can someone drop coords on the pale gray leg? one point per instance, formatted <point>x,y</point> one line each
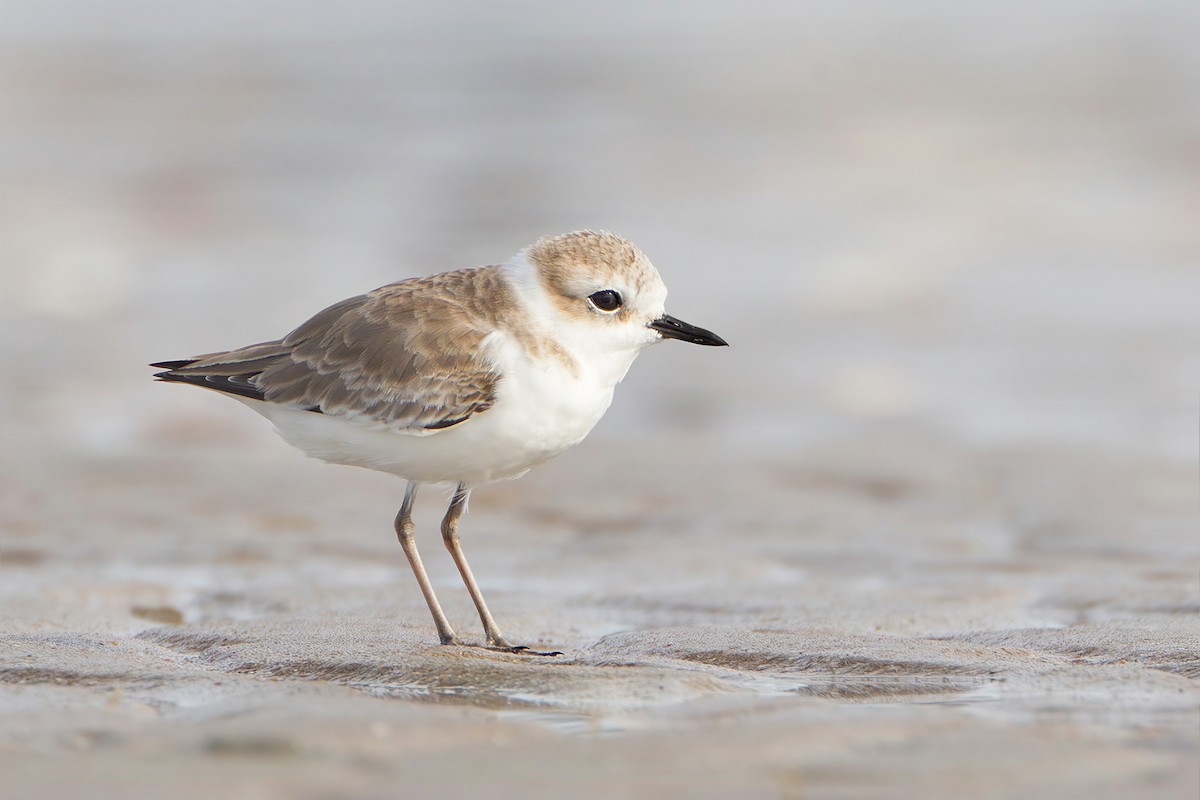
<point>406,533</point>
<point>450,537</point>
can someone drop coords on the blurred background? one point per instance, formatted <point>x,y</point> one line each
<point>973,219</point>
<point>929,523</point>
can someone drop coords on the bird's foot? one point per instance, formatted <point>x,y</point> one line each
<point>499,646</point>
<point>502,646</point>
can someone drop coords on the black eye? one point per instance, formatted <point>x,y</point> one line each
<point>605,300</point>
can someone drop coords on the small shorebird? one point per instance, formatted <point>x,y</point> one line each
<point>460,378</point>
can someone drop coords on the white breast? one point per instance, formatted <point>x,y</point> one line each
<point>543,407</point>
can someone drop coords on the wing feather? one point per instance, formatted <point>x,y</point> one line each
<point>407,355</point>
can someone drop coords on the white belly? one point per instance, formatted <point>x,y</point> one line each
<point>539,413</point>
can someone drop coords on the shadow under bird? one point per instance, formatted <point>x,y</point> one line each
<point>460,378</point>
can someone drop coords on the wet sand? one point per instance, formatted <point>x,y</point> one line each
<point>858,630</point>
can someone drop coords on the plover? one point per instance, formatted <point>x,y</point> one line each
<point>460,378</point>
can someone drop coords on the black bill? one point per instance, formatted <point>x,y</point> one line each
<point>672,328</point>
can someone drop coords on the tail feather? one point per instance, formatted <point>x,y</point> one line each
<point>172,364</point>
<point>232,372</point>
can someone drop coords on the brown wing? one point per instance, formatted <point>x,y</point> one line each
<point>407,354</point>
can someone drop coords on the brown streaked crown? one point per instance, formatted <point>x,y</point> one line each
<point>572,265</point>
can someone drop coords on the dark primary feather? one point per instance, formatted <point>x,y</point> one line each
<point>172,364</point>
<point>241,385</point>
<point>407,354</point>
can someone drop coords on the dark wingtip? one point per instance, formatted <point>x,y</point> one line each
<point>446,423</point>
<point>239,385</point>
<point>172,364</point>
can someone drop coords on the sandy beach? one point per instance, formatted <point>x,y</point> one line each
<point>928,528</point>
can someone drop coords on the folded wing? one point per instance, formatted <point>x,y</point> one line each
<point>409,355</point>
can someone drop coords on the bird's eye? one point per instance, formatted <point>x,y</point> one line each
<point>605,300</point>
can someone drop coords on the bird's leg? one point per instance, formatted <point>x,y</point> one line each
<point>450,536</point>
<point>495,639</point>
<point>406,533</point>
